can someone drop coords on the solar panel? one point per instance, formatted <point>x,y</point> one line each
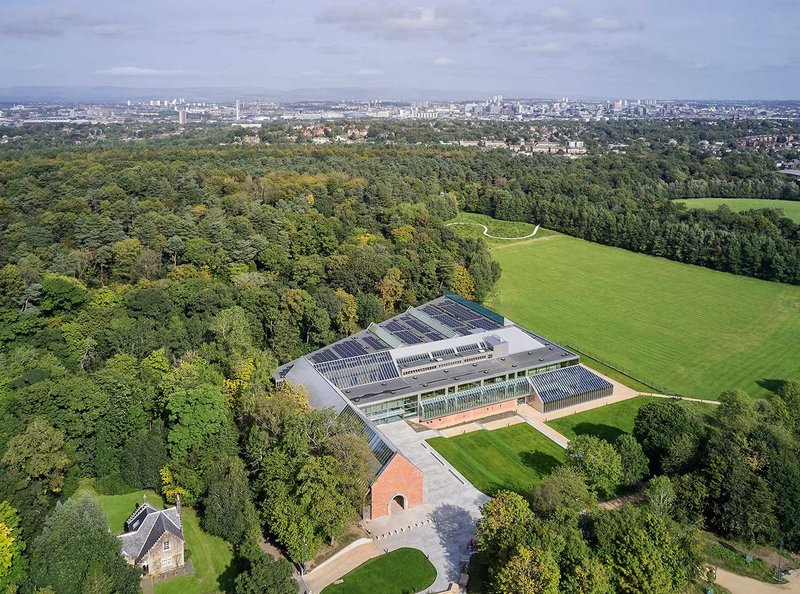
<point>442,353</point>
<point>470,348</point>
<point>410,360</point>
<point>418,326</point>
<point>323,356</point>
<point>359,370</point>
<point>375,343</point>
<point>393,327</point>
<point>408,337</point>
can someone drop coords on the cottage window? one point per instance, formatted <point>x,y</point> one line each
<point>166,562</point>
<point>166,545</point>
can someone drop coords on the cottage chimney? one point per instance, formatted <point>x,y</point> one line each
<point>178,504</point>
<point>144,499</point>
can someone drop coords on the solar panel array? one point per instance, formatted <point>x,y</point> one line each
<point>349,348</point>
<point>413,360</point>
<point>457,317</point>
<point>359,370</point>
<point>449,316</point>
<point>375,343</point>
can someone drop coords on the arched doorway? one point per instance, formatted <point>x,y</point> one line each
<point>397,504</point>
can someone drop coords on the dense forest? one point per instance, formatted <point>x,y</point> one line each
<point>147,292</point>
<point>146,300</point>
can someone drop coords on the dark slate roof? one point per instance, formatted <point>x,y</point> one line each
<point>145,526</point>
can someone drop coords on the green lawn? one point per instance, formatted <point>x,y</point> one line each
<point>680,328</point>
<point>612,420</point>
<point>210,555</point>
<point>496,227</point>
<point>403,571</point>
<point>791,208</point>
<point>513,458</point>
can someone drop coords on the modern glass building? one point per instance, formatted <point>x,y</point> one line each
<point>448,358</point>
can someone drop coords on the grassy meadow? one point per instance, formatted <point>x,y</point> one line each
<point>513,458</point>
<point>679,328</point>
<point>791,208</point>
<point>467,226</point>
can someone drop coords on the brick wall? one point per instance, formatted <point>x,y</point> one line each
<point>471,415</point>
<point>400,477</point>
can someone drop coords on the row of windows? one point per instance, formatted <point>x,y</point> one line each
<point>408,406</point>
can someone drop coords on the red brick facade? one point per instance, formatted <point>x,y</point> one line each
<point>400,477</point>
<point>471,415</point>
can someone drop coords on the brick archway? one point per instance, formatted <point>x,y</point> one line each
<point>397,504</point>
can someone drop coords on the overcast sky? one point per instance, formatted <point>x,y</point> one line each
<point>608,48</point>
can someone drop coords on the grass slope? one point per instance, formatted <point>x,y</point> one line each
<point>496,227</point>
<point>612,420</point>
<point>210,555</point>
<point>513,458</point>
<point>681,328</point>
<point>791,208</point>
<point>403,571</point>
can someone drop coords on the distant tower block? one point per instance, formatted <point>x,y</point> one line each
<point>237,110</point>
<point>182,117</point>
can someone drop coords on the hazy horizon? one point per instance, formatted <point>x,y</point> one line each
<point>734,50</point>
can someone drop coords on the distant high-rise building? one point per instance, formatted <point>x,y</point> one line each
<point>237,110</point>
<point>129,102</point>
<point>182,117</point>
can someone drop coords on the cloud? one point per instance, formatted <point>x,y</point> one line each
<point>610,25</point>
<point>135,71</point>
<point>369,72</point>
<point>442,61</point>
<point>390,21</point>
<point>52,21</point>
<point>557,19</point>
<point>546,48</point>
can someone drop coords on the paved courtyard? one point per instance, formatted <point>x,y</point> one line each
<point>444,525</point>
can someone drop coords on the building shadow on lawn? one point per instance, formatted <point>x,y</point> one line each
<point>607,432</point>
<point>542,463</point>
<point>455,527</point>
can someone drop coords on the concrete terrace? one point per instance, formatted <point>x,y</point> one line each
<point>444,525</point>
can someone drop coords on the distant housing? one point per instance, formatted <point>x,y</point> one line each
<point>442,363</point>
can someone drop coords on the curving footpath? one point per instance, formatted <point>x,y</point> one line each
<point>486,231</point>
<point>739,584</point>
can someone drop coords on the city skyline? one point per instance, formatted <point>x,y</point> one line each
<point>732,50</point>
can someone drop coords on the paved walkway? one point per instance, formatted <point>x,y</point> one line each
<point>441,527</point>
<point>739,584</point>
<point>340,564</point>
<point>536,420</point>
<point>486,231</point>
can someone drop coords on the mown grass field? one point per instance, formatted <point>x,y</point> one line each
<point>210,555</point>
<point>791,208</point>
<point>513,458</point>
<point>683,329</point>
<point>612,420</point>
<point>399,572</point>
<point>468,227</point>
